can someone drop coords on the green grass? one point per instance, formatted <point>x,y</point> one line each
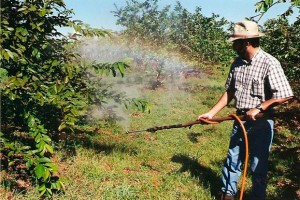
<point>169,164</point>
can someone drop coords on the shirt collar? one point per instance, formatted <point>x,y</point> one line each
<point>253,58</point>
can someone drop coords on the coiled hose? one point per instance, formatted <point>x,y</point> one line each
<point>246,149</point>
<point>246,154</point>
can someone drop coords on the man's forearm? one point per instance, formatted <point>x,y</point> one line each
<point>274,102</point>
<point>223,101</point>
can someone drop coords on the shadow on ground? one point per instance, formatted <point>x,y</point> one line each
<point>92,140</point>
<point>207,177</point>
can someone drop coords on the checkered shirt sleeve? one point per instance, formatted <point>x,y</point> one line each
<point>279,85</point>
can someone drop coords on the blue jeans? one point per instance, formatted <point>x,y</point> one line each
<point>260,135</point>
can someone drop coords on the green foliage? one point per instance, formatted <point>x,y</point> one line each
<point>34,159</point>
<point>263,6</point>
<point>144,20</point>
<point>141,104</point>
<point>86,30</point>
<point>202,38</point>
<point>39,163</point>
<point>45,85</point>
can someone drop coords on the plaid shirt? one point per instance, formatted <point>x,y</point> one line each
<point>257,81</point>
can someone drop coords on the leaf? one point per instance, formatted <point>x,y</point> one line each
<point>11,163</point>
<point>44,160</point>
<point>62,185</point>
<point>66,79</point>
<point>52,167</point>
<point>43,12</point>
<point>100,71</point>
<point>49,191</point>
<point>32,8</point>
<point>23,31</point>
<point>107,71</point>
<point>54,186</point>
<point>296,3</point>
<point>40,24</point>
<point>54,63</point>
<point>12,96</point>
<point>62,126</point>
<point>22,9</point>
<point>29,163</point>
<point>5,55</point>
<point>121,68</point>
<point>41,146</point>
<point>259,6</point>
<point>269,2</point>
<point>49,148</point>
<point>46,138</point>
<point>42,187</point>
<point>31,121</point>
<point>39,171</point>
<point>114,71</point>
<point>35,52</point>
<point>53,90</point>
<point>71,123</point>
<point>10,54</point>
<point>265,7</point>
<point>46,174</point>
<point>42,192</point>
<point>37,139</point>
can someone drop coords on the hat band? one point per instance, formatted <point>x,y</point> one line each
<point>244,35</point>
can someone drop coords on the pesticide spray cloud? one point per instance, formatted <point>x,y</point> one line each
<point>149,70</point>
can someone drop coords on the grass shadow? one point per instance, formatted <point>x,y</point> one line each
<point>100,147</point>
<point>92,140</point>
<point>285,166</point>
<point>193,137</point>
<point>207,177</point>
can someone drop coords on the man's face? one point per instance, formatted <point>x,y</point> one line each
<point>239,46</point>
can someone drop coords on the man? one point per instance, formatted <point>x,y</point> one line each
<point>256,82</point>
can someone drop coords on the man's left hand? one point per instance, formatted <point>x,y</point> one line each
<point>252,113</point>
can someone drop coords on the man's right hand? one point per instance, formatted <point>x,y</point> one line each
<point>205,116</point>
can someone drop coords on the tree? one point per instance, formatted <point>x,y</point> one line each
<point>45,87</point>
<point>264,5</point>
<point>200,37</point>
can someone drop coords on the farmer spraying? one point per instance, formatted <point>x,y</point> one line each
<point>257,83</point>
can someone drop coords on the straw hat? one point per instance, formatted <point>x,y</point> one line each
<point>244,30</point>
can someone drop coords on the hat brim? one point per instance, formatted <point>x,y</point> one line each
<point>232,38</point>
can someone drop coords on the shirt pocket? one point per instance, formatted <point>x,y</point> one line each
<point>257,89</point>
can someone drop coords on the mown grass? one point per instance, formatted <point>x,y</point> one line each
<point>168,164</point>
<point>106,163</point>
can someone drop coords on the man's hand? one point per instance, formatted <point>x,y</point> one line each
<point>205,116</point>
<point>252,113</point>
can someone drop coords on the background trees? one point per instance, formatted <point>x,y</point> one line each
<point>204,38</point>
<point>45,88</point>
